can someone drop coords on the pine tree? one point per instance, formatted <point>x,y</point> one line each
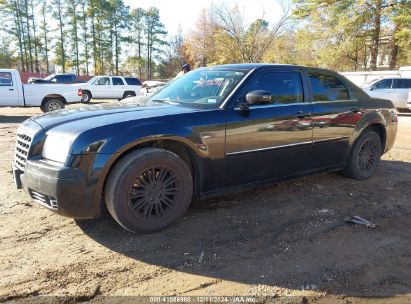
<point>60,14</point>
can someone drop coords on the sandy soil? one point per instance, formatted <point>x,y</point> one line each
<point>274,242</point>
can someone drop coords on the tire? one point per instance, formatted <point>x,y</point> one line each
<point>86,97</point>
<point>365,156</point>
<point>148,190</point>
<point>129,94</point>
<point>52,105</point>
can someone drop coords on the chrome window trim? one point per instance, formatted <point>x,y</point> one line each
<point>275,105</point>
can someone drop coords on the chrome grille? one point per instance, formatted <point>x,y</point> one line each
<point>22,150</point>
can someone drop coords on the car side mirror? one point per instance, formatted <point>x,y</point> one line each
<point>372,88</point>
<point>258,97</point>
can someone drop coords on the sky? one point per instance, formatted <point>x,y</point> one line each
<point>185,12</point>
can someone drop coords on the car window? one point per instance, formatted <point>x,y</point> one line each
<point>327,88</point>
<point>59,78</point>
<point>117,81</point>
<point>402,84</point>
<point>201,86</point>
<point>285,87</point>
<point>382,84</point>
<point>5,79</point>
<point>103,81</point>
<point>132,81</point>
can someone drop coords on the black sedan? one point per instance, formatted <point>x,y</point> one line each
<point>214,130</point>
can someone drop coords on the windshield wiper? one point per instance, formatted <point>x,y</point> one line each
<point>165,101</point>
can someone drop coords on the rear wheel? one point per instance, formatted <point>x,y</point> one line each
<point>129,94</point>
<point>52,105</point>
<point>365,156</point>
<point>148,190</point>
<point>86,97</point>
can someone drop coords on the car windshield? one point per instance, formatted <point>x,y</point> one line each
<point>49,77</point>
<point>92,80</point>
<point>202,86</point>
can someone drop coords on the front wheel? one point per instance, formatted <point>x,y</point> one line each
<point>365,156</point>
<point>148,190</point>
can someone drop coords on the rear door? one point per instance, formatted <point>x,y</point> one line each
<point>118,87</point>
<point>133,84</point>
<point>9,94</point>
<point>270,140</point>
<point>401,88</point>
<point>336,112</point>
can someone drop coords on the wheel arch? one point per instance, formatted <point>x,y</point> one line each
<point>177,146</point>
<point>129,91</point>
<point>376,126</point>
<point>88,91</point>
<point>53,96</point>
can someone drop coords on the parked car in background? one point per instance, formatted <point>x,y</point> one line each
<point>13,93</point>
<point>65,78</point>
<point>213,130</point>
<point>110,87</point>
<point>394,89</point>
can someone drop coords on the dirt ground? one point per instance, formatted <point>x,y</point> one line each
<point>286,243</point>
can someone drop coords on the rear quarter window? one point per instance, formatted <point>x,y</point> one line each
<point>402,84</point>
<point>132,81</point>
<point>327,88</point>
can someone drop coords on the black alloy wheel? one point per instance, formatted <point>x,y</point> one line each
<point>154,192</point>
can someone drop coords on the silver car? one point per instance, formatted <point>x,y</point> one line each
<point>394,89</point>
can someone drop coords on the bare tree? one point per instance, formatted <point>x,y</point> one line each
<point>247,43</point>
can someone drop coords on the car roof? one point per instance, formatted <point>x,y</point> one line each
<point>115,76</point>
<point>251,66</point>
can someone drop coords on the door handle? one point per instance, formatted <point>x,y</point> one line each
<point>301,114</point>
<point>11,89</point>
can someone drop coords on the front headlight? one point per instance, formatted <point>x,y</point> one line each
<point>56,148</point>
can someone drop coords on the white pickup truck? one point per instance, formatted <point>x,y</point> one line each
<point>110,87</point>
<point>13,93</point>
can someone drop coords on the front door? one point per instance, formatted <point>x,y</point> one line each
<point>9,95</point>
<point>402,86</point>
<point>382,89</point>
<point>102,88</point>
<point>335,115</point>
<point>270,140</point>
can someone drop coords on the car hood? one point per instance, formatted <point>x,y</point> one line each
<point>76,120</point>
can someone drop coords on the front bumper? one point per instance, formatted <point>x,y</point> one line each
<point>62,190</point>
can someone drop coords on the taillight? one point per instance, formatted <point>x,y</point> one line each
<point>80,92</point>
